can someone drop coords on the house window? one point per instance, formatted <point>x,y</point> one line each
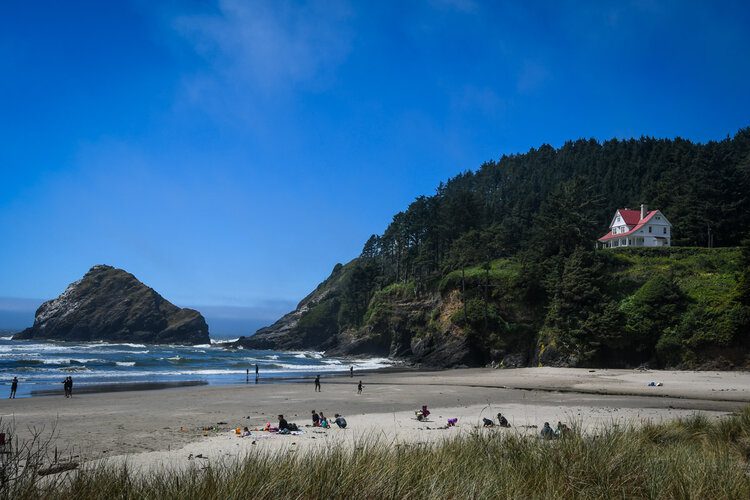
<point>665,230</point>
<point>649,229</point>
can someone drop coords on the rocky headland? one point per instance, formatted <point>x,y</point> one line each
<point>112,305</point>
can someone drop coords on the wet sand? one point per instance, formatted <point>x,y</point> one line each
<point>166,426</point>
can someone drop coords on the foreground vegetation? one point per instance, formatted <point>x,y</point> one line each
<point>694,457</point>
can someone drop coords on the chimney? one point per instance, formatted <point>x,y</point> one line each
<point>644,210</point>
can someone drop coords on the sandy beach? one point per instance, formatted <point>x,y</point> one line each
<point>166,427</point>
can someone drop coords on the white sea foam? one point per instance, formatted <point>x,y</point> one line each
<point>224,341</point>
<point>67,361</point>
<point>125,363</point>
<point>95,345</point>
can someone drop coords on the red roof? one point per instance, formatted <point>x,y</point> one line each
<point>631,217</point>
<point>627,215</point>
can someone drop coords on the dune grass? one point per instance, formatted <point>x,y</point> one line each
<point>694,457</point>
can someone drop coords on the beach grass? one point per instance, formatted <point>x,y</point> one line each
<point>694,457</point>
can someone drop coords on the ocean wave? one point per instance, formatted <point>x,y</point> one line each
<point>75,369</point>
<point>73,361</point>
<point>35,348</point>
<point>125,363</point>
<point>224,341</point>
<point>94,345</point>
<point>307,354</point>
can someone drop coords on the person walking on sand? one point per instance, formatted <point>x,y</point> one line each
<point>359,387</point>
<point>351,371</point>
<point>65,387</point>
<point>317,383</point>
<point>13,387</point>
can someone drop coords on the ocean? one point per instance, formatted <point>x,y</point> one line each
<point>42,366</point>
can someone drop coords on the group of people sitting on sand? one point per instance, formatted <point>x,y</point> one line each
<point>549,433</point>
<point>285,427</point>
<point>501,421</point>
<point>320,420</point>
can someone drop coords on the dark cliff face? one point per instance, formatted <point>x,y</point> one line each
<point>311,325</point>
<point>110,304</point>
<point>400,329</point>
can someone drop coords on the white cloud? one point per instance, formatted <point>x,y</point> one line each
<point>270,45</point>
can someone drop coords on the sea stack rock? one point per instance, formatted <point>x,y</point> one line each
<point>111,305</point>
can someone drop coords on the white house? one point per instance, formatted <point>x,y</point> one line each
<point>633,228</point>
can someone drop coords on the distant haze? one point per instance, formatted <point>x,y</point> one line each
<point>223,321</point>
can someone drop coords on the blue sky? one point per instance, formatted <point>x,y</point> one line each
<point>230,153</point>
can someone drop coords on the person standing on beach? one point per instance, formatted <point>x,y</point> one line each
<point>257,374</point>
<point>359,387</point>
<point>351,371</point>
<point>68,386</point>
<point>317,383</point>
<point>13,387</point>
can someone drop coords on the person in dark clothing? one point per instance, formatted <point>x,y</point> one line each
<point>283,424</point>
<point>317,383</point>
<point>13,387</point>
<point>359,387</point>
<point>340,421</point>
<point>351,371</point>
<point>70,387</point>
<point>66,386</point>
<point>315,419</point>
<point>547,432</point>
<point>502,421</point>
<point>257,374</point>
<point>488,423</point>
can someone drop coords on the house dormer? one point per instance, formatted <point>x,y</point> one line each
<point>637,228</point>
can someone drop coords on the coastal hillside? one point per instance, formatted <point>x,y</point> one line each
<point>499,266</point>
<point>109,304</point>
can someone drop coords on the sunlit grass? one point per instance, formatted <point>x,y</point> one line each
<point>694,457</point>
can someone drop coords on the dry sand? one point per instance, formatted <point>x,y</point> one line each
<point>165,427</point>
